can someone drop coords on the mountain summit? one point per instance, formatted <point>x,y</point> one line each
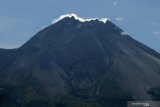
<point>75,63</point>
<point>79,18</point>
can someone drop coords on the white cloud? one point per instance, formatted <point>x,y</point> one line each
<point>78,18</point>
<point>119,19</point>
<point>115,3</point>
<point>124,33</point>
<point>43,27</point>
<point>156,33</point>
<point>153,23</point>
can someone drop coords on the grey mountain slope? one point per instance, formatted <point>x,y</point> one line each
<point>74,56</point>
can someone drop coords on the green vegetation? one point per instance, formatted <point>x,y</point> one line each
<point>70,101</point>
<point>111,95</point>
<point>155,92</point>
<point>31,95</point>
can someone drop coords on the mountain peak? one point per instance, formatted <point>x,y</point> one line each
<point>72,15</point>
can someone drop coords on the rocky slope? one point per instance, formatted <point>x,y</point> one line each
<point>79,64</point>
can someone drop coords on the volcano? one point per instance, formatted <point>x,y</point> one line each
<point>79,62</point>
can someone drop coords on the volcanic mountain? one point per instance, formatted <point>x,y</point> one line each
<point>79,63</point>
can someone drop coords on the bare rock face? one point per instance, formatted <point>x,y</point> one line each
<point>79,64</point>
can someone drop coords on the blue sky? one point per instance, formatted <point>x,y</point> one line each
<point>21,19</point>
